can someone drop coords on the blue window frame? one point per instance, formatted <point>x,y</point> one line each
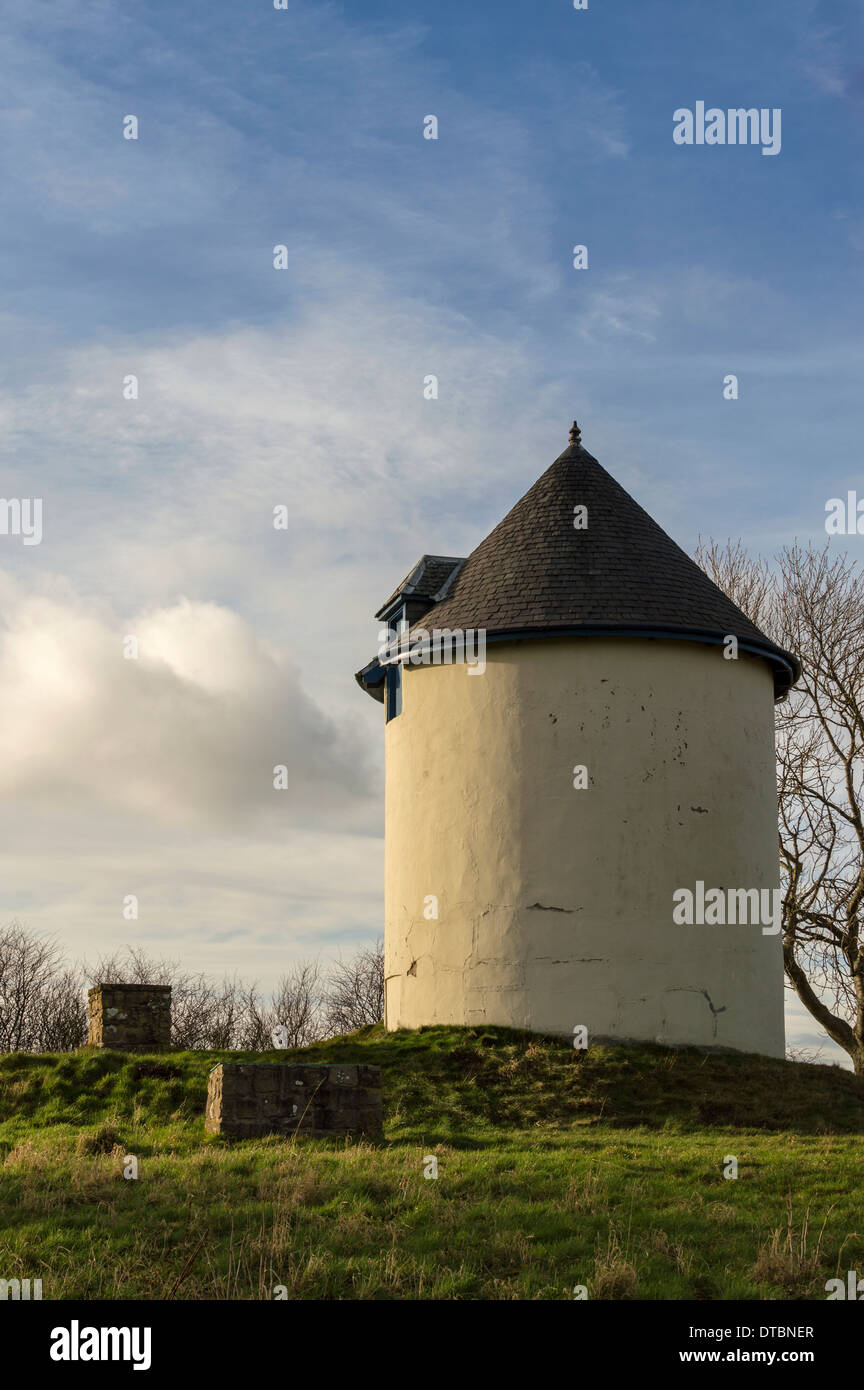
<point>393,682</point>
<point>393,692</point>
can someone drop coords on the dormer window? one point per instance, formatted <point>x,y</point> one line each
<point>425,586</point>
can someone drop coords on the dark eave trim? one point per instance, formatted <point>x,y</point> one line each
<point>786,667</point>
<point>371,679</point>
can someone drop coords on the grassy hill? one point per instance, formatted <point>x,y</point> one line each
<point>555,1168</point>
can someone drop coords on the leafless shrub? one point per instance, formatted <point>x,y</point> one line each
<point>254,1027</point>
<point>354,997</point>
<point>41,998</point>
<point>298,1007</point>
<point>203,1014</point>
<point>810,1055</point>
<point>233,1015</point>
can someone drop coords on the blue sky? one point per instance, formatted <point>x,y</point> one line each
<point>303,127</point>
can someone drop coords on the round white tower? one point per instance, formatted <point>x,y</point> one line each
<point>602,760</point>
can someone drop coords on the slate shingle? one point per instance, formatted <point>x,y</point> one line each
<point>535,571</point>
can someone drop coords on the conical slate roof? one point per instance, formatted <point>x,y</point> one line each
<point>622,575</point>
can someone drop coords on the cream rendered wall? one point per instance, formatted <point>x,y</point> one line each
<point>555,905</point>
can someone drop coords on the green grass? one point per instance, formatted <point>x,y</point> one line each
<point>556,1168</point>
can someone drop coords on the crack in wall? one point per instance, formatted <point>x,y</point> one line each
<point>692,989</point>
<point>571,960</point>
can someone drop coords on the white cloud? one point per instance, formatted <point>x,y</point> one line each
<point>188,733</point>
<point>154,776</point>
<point>616,309</point>
<point>824,60</point>
<point>174,493</point>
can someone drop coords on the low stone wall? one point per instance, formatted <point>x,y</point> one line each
<point>253,1098</point>
<point>130,1018</point>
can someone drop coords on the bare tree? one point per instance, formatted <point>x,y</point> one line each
<point>41,998</point>
<point>43,1008</point>
<point>811,1055</point>
<point>203,1014</point>
<point>63,1013</point>
<point>254,1025</point>
<point>233,1015</point>
<point>354,996</point>
<point>130,965</point>
<point>297,1005</point>
<point>813,605</point>
<point>211,1021</point>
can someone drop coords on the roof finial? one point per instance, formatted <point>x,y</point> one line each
<point>575,435</point>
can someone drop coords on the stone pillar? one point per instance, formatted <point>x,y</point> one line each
<point>130,1018</point>
<point>253,1098</point>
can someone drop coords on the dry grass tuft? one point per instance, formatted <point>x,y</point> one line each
<point>615,1275</point>
<point>788,1259</point>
